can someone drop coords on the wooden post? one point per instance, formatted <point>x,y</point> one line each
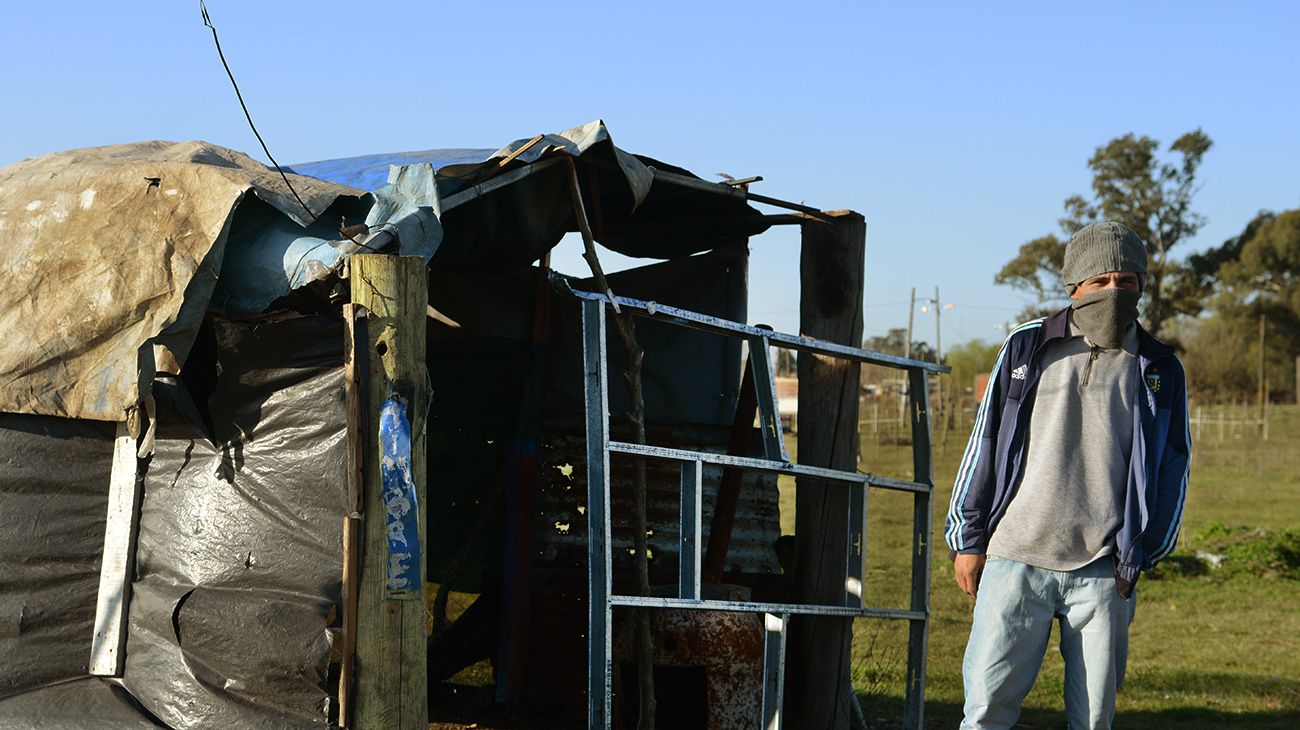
<point>819,692</point>
<point>391,690</point>
<point>1263,411</point>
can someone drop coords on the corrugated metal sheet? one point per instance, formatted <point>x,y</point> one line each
<point>561,529</point>
<point>559,600</point>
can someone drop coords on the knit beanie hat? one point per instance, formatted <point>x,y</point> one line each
<point>1101,248</point>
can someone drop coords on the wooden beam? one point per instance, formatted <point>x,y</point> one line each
<point>739,193</point>
<point>118,557</point>
<point>678,225</point>
<point>728,499</point>
<point>390,666</point>
<point>818,686</point>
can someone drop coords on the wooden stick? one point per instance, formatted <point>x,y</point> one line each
<point>520,151</point>
<point>351,573</point>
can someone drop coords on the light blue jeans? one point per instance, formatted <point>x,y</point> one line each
<point>1014,611</point>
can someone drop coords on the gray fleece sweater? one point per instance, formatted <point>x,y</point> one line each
<point>1070,499</point>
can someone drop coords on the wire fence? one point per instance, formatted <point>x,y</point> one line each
<point>887,419</point>
<point>1230,421</point>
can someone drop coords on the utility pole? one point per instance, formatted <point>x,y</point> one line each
<point>938,340</point>
<point>938,347</point>
<point>1260,381</point>
<point>912,310</point>
<point>902,392</point>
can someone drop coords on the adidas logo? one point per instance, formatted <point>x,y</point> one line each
<point>1019,373</point>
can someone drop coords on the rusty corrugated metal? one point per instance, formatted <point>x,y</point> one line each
<point>727,646</point>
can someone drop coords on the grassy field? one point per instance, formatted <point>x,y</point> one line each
<point>1212,647</point>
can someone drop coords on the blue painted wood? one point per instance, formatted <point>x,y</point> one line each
<point>401,507</point>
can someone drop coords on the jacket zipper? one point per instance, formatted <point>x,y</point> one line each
<point>1087,371</point>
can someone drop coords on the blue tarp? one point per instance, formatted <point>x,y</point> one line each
<point>370,172</point>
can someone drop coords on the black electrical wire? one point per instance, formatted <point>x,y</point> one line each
<point>207,21</point>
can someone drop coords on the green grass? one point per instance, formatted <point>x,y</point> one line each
<point>1210,647</point>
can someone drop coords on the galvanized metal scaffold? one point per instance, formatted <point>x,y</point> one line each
<point>776,460</point>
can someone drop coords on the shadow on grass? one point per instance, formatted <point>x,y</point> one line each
<point>1188,699</point>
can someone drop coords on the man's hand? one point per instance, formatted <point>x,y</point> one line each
<point>969,568</point>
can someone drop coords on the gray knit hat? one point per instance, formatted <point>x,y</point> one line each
<point>1101,248</point>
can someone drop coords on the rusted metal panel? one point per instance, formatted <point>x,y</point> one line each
<point>728,647</point>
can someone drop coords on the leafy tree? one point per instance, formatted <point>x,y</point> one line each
<point>1265,281</point>
<point>1254,274</point>
<point>1037,270</point>
<point>1213,354</point>
<point>1131,185</point>
<point>968,360</point>
<point>894,342</point>
<point>1193,286</point>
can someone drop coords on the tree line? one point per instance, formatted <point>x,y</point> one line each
<point>1208,305</point>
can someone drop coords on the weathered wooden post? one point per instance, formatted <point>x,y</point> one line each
<point>818,687</point>
<point>390,687</point>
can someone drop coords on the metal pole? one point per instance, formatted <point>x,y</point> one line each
<point>599,586</point>
<point>918,629</point>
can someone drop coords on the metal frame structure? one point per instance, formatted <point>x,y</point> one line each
<point>776,461</point>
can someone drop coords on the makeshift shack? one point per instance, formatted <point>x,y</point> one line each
<point>194,432</point>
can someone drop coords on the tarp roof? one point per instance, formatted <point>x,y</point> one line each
<point>112,255</point>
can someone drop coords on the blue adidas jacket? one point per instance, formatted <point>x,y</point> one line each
<point>1158,469</point>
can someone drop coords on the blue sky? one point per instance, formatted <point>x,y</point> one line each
<point>956,128</point>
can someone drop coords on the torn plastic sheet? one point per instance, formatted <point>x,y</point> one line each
<point>109,250</point>
<point>509,206</point>
<point>113,254</point>
<point>54,480</point>
<point>239,553</point>
<point>401,505</point>
<point>269,256</point>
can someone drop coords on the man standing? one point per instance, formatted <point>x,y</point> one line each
<point>1073,481</point>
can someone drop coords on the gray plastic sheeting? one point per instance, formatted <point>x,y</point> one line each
<point>54,475</point>
<point>85,703</point>
<point>240,548</point>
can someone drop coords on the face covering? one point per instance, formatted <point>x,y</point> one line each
<point>1104,316</point>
